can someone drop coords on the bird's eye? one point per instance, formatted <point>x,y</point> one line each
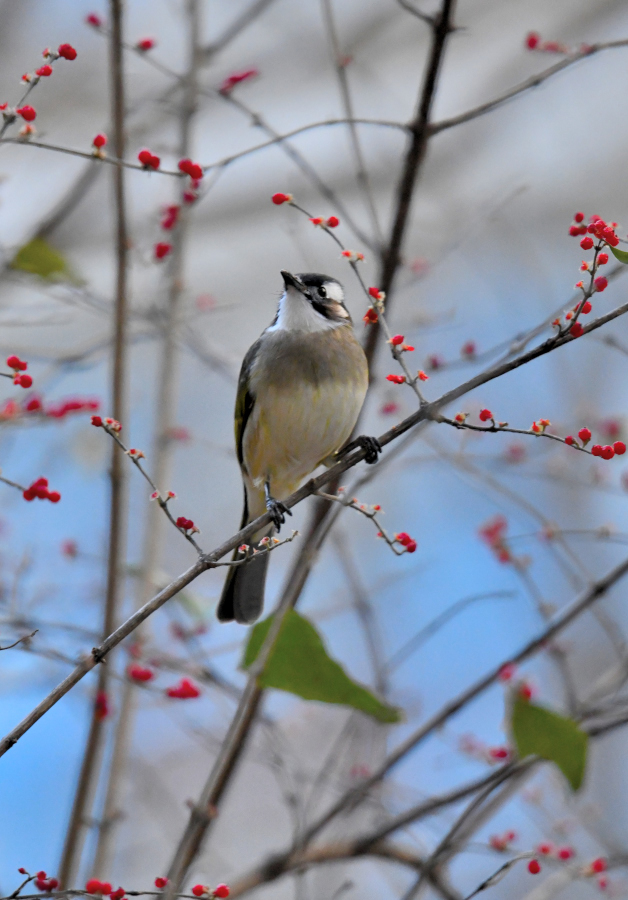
<point>322,291</point>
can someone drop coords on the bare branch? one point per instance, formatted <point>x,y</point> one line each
<point>526,85</point>
<point>90,766</point>
<point>25,637</point>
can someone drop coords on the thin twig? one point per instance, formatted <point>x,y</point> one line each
<point>25,637</point>
<point>525,85</point>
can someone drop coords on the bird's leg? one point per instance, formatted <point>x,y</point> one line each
<point>276,508</point>
<point>371,446</point>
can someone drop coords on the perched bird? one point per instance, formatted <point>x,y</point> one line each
<point>301,388</point>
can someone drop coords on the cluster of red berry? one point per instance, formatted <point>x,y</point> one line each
<point>186,524</point>
<point>331,222</point>
<point>406,541</point>
<point>136,672</point>
<point>607,451</point>
<point>19,366</point>
<point>39,489</point>
<point>185,690</point>
<point>104,889</point>
<point>493,533</point>
<point>201,890</point>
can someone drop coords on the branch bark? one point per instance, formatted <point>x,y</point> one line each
<point>90,766</point>
<point>162,451</point>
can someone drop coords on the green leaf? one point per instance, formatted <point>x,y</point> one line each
<point>541,732</point>
<point>39,258</point>
<point>300,664</point>
<point>621,255</point>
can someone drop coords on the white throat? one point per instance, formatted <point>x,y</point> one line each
<point>296,313</point>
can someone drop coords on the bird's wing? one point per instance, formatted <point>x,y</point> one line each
<point>245,400</point>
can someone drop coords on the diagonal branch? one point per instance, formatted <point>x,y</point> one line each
<point>523,86</point>
<point>425,414</point>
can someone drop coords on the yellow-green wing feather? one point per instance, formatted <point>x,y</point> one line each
<point>245,401</point>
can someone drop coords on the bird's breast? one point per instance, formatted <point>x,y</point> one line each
<point>308,392</point>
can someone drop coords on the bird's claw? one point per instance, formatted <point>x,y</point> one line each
<point>371,446</point>
<point>277,511</point>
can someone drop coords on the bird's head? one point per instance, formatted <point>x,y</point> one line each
<point>311,302</point>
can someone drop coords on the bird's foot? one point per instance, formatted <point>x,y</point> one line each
<point>371,446</point>
<point>278,511</point>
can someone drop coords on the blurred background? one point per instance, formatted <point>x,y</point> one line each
<point>487,257</point>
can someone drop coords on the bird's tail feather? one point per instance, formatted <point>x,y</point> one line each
<point>242,596</point>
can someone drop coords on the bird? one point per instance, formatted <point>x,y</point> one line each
<point>300,391</point>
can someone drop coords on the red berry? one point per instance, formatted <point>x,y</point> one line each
<point>27,113</point>
<point>579,217</point>
<point>619,447</point>
<point>506,672</point>
<point>586,308</point>
<point>576,330</point>
<point>94,20</point>
<point>532,40</point>
<point>332,222</point>
<point>277,199</point>
<point>565,853</point>
<point>396,340</point>
<point>14,362</point>
<point>545,849</point>
<point>140,673</point>
<point>607,452</point>
<point>598,865</point>
<point>601,283</point>
<point>67,51</point>
<point>534,867</point>
<point>596,449</point>
<point>93,886</point>
<point>196,173</point>
<point>101,706</point>
<point>162,249</point>
<point>198,890</point>
<point>25,381</point>
<point>570,440</point>
<point>97,421</point>
<point>499,753</point>
<point>485,415</point>
<point>118,894</point>
<point>22,871</point>
<point>230,82</point>
<point>185,690</point>
<point>44,71</point>
<point>525,691</point>
<point>100,140</point>
<point>221,890</point>
<point>54,496</point>
<point>146,44</point>
<point>585,435</point>
<point>574,230</point>
<point>586,243</point>
<point>161,882</point>
<point>410,546</point>
<point>148,159</point>
<point>602,258</point>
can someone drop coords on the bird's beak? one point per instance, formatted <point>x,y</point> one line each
<point>289,281</point>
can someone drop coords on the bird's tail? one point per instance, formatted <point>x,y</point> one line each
<point>242,596</point>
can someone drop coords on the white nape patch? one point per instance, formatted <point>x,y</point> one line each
<point>296,313</point>
<point>334,291</point>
